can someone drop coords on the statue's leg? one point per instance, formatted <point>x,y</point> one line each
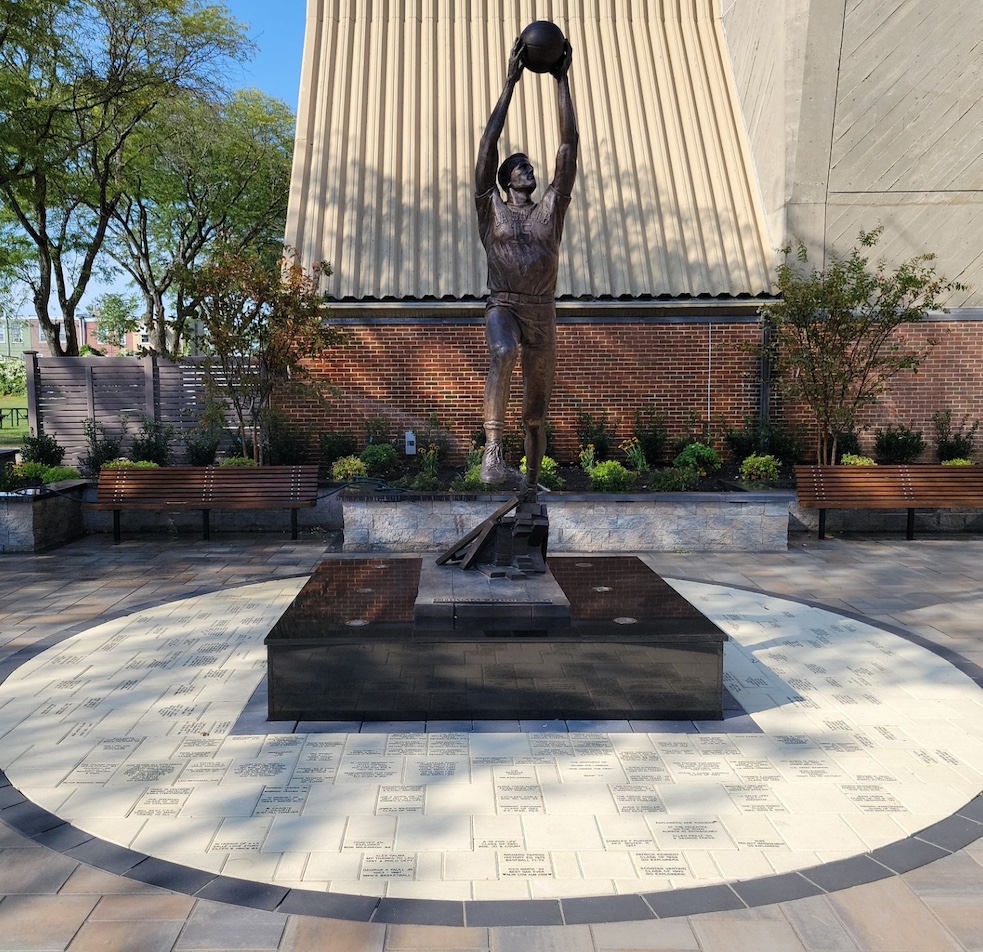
<point>502,334</point>
<point>538,372</point>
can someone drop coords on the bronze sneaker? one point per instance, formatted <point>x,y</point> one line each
<point>493,469</point>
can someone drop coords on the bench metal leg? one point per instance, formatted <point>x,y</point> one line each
<point>116,532</point>
<point>205,527</point>
<point>293,523</point>
<point>911,524</point>
<point>822,523</point>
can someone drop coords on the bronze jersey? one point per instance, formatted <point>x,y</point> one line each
<point>522,242</point>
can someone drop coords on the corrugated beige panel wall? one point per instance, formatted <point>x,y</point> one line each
<point>907,147</point>
<point>755,33</point>
<point>394,98</point>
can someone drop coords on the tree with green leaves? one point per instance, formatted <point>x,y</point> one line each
<point>201,173</point>
<point>117,314</point>
<point>259,317</point>
<point>77,81</point>
<point>833,334</point>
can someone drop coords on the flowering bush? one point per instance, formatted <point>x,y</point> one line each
<point>23,475</point>
<point>759,469</point>
<point>347,468</point>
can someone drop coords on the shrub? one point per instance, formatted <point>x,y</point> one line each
<point>103,448</point>
<point>847,444</point>
<point>786,444</point>
<point>13,376</point>
<point>958,462</point>
<point>759,469</point>
<point>898,445</point>
<point>348,468</point>
<point>55,474</point>
<point>123,463</point>
<point>610,477</point>
<point>200,446</point>
<point>852,459</point>
<point>8,479</point>
<point>704,459</point>
<point>594,431</point>
<point>549,473</point>
<point>42,449</point>
<point>151,444</point>
<point>380,459</point>
<point>238,462</point>
<point>333,444</point>
<point>470,482</point>
<point>650,431</point>
<point>30,474</point>
<point>953,442</point>
<point>675,479</point>
<point>286,441</point>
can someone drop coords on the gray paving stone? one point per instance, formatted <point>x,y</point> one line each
<point>215,925</point>
<point>436,939</point>
<point>33,872</point>
<point>304,934</point>
<point>139,935</point>
<point>42,923</point>
<point>659,935</point>
<point>721,935</point>
<point>817,925</point>
<point>887,917</point>
<point>542,939</point>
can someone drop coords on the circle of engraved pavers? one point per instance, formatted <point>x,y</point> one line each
<point>125,731</point>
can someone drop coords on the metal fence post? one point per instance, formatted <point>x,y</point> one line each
<point>33,382</point>
<point>149,372</point>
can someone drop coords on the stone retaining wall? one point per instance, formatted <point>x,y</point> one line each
<point>724,522</point>
<point>32,522</point>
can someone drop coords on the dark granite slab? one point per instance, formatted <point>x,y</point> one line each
<point>351,646</point>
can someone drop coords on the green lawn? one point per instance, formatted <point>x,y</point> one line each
<point>11,435</point>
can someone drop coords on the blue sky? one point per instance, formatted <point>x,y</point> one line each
<point>277,29</point>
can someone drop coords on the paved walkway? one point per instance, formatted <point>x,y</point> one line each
<point>928,589</point>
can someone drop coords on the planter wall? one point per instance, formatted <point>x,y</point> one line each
<point>42,519</point>
<point>723,522</point>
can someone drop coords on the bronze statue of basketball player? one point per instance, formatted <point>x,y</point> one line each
<point>522,242</point>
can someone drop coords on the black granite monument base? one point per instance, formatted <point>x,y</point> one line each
<point>357,645</point>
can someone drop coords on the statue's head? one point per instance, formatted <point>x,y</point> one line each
<point>515,161</point>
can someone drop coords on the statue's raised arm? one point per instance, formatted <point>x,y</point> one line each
<point>566,156</point>
<point>486,164</point>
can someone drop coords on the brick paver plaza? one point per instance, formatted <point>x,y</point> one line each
<point>149,805</point>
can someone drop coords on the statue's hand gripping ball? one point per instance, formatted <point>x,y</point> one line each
<point>543,45</point>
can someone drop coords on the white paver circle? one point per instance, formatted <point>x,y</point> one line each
<point>124,730</point>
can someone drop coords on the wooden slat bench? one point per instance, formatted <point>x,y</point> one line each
<point>888,487</point>
<point>205,488</point>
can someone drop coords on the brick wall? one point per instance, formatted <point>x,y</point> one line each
<point>684,368</point>
<point>406,370</point>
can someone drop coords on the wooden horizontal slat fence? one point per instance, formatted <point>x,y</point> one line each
<point>118,393</point>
